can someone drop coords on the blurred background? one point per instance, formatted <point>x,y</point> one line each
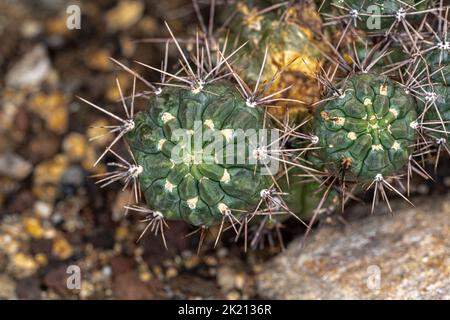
<point>52,215</point>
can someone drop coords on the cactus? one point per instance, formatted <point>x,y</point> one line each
<point>198,189</point>
<point>283,38</point>
<point>366,130</point>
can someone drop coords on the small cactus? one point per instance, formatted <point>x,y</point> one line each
<point>200,188</point>
<point>367,129</point>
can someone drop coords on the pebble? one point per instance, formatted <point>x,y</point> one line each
<point>33,227</point>
<point>62,248</point>
<point>43,209</point>
<point>53,109</point>
<point>99,60</point>
<point>124,15</point>
<point>23,265</point>
<point>225,278</point>
<point>14,166</point>
<point>7,287</point>
<point>31,29</point>
<point>30,70</point>
<point>171,273</point>
<point>233,295</point>
<point>74,146</point>
<point>73,179</point>
<point>47,175</point>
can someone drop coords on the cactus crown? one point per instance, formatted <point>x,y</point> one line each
<point>184,175</point>
<point>367,129</point>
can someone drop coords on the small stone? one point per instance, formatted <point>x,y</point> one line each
<point>41,259</point>
<point>171,273</point>
<point>62,248</point>
<point>121,233</point>
<point>53,109</point>
<point>44,145</point>
<point>239,281</point>
<point>7,287</point>
<point>233,295</point>
<point>225,278</point>
<point>47,175</point>
<point>191,262</point>
<point>30,70</point>
<point>57,26</point>
<point>23,265</point>
<point>43,209</point>
<point>14,166</point>
<point>31,29</point>
<point>33,227</point>
<point>99,60</point>
<point>75,145</point>
<point>87,289</point>
<point>73,178</point>
<point>145,276</point>
<point>124,15</point>
<point>8,244</point>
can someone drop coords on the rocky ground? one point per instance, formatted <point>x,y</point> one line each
<point>53,216</point>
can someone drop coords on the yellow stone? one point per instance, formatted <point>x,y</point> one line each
<point>124,15</point>
<point>61,248</point>
<point>33,227</point>
<point>99,60</point>
<point>41,259</point>
<point>233,295</point>
<point>24,264</point>
<point>75,146</point>
<point>53,109</point>
<point>171,273</point>
<point>50,171</point>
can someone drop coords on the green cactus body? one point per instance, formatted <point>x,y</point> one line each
<point>387,9</point>
<point>368,129</point>
<point>304,197</point>
<point>196,190</point>
<point>439,110</point>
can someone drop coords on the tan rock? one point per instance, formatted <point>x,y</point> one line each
<point>62,248</point>
<point>124,15</point>
<point>23,265</point>
<point>404,256</point>
<point>75,146</point>
<point>53,109</point>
